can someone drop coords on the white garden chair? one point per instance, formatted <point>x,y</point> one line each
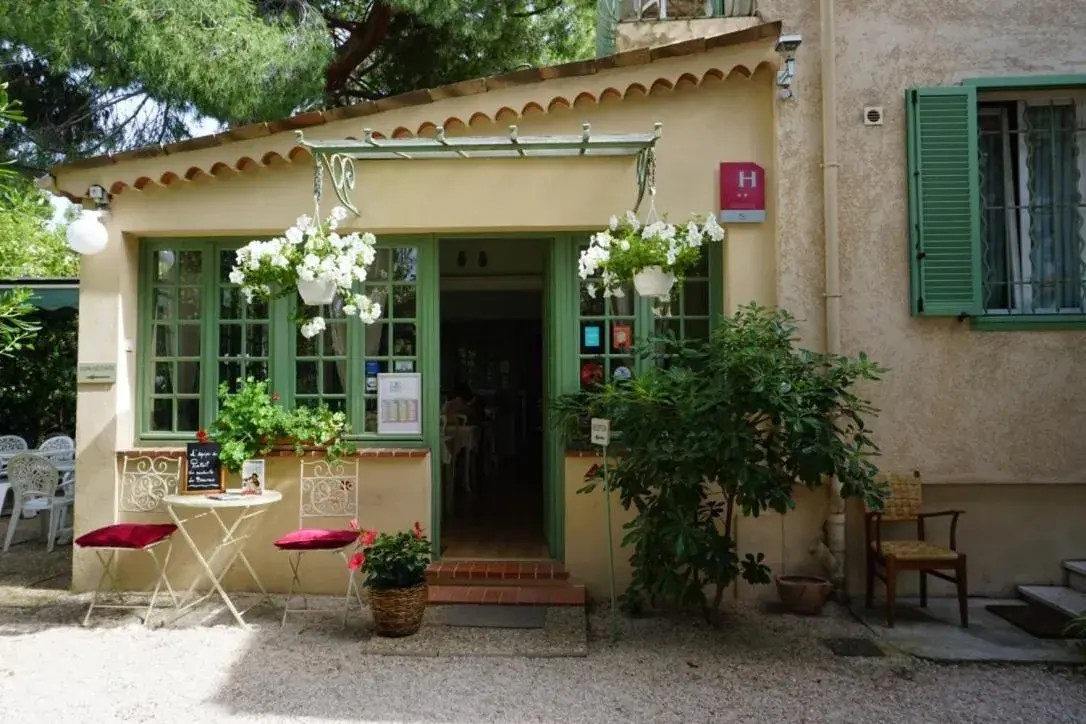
<point>58,447</point>
<point>328,491</point>
<point>35,480</point>
<point>10,445</point>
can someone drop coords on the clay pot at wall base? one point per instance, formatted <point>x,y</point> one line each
<point>398,611</point>
<point>804,594</point>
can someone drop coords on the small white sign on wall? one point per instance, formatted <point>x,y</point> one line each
<point>399,403</point>
<point>99,373</point>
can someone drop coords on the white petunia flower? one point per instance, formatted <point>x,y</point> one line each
<point>313,327</point>
<point>339,213</point>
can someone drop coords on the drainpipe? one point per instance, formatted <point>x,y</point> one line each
<point>835,519</point>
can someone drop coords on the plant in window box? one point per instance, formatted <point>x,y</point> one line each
<point>654,255</point>
<point>315,261</point>
<point>394,566</point>
<point>251,423</point>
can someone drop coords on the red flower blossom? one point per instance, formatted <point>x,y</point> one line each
<point>368,537</point>
<point>356,561</point>
<point>418,531</point>
<point>275,397</point>
<point>201,437</point>
<point>354,523</point>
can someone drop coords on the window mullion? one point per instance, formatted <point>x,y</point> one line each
<point>209,340</point>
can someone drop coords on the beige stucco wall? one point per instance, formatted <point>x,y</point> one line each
<point>393,494</point>
<point>993,420</point>
<point>653,33</point>
<point>706,120</point>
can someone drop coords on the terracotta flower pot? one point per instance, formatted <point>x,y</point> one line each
<point>398,611</point>
<point>804,594</point>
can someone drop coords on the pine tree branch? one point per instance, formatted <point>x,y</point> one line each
<point>361,44</point>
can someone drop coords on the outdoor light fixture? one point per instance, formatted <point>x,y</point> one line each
<point>88,235</point>
<point>787,45</point>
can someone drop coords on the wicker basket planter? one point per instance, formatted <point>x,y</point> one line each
<point>398,611</point>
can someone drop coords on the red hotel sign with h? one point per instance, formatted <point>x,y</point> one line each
<point>742,192</point>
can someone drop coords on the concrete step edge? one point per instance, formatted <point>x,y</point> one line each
<point>1059,598</point>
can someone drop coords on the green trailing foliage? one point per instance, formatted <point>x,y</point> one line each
<point>719,427</point>
<point>251,423</point>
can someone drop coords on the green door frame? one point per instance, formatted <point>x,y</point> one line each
<point>560,322</point>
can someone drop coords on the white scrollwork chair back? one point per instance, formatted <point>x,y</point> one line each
<point>146,480</point>
<point>33,476</point>
<point>12,443</point>
<point>59,447</point>
<point>328,490</point>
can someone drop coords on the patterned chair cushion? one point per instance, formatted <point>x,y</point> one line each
<point>126,535</point>
<point>316,539</point>
<point>915,550</point>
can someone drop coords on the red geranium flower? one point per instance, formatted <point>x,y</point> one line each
<point>418,531</point>
<point>368,537</point>
<point>275,397</point>
<point>201,437</point>
<point>356,561</point>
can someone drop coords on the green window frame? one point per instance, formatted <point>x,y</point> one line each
<point>192,320</point>
<point>603,324</point>
<point>997,202</point>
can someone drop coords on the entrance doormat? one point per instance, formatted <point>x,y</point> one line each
<point>1044,623</point>
<point>496,616</point>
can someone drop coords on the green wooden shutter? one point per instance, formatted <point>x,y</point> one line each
<point>944,202</point>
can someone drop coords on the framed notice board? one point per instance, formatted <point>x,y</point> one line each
<point>203,469</point>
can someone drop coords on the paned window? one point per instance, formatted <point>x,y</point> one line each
<point>609,328</point>
<point>201,332</point>
<point>177,313</point>
<point>997,202</point>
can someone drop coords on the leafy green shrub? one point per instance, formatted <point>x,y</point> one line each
<point>391,560</point>
<point>718,427</point>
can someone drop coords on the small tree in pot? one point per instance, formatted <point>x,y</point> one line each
<point>719,426</point>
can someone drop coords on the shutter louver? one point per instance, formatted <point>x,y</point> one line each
<point>944,202</point>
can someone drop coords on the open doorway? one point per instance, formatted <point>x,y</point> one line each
<point>492,391</point>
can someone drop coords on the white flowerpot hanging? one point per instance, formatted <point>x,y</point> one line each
<point>318,291</point>
<point>652,281</point>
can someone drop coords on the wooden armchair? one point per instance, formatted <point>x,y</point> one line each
<point>887,558</point>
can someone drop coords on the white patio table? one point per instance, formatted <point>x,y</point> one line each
<point>229,547</point>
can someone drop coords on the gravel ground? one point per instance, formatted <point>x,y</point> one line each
<point>757,667</point>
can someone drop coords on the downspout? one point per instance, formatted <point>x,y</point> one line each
<point>832,551</point>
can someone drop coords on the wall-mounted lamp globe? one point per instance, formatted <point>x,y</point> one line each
<point>87,235</point>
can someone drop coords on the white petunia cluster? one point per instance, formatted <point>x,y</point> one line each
<point>655,244</point>
<point>310,251</point>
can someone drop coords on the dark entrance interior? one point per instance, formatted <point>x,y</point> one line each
<point>492,361</point>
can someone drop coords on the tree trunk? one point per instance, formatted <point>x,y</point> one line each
<point>361,44</point>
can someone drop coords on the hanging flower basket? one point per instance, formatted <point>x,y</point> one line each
<point>313,261</point>
<point>653,256</point>
<point>652,281</point>
<point>317,291</point>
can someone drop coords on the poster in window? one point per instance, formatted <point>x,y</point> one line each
<point>592,336</point>
<point>372,370</point>
<point>399,403</point>
<point>403,365</point>
<point>621,336</point>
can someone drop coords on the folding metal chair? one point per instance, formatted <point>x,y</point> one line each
<point>108,541</point>
<point>327,491</point>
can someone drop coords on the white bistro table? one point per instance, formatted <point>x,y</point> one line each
<point>227,550</point>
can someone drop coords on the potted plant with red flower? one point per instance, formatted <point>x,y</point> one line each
<point>394,569</point>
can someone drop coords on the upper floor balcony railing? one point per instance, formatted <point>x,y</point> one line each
<point>634,10</point>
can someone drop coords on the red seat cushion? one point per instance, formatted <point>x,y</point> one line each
<point>316,539</point>
<point>126,535</point>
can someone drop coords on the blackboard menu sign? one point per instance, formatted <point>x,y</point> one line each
<point>203,469</point>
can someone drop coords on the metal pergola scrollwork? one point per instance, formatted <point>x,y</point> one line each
<point>337,157</point>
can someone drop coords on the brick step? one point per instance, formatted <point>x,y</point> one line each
<point>497,573</point>
<point>567,595</point>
